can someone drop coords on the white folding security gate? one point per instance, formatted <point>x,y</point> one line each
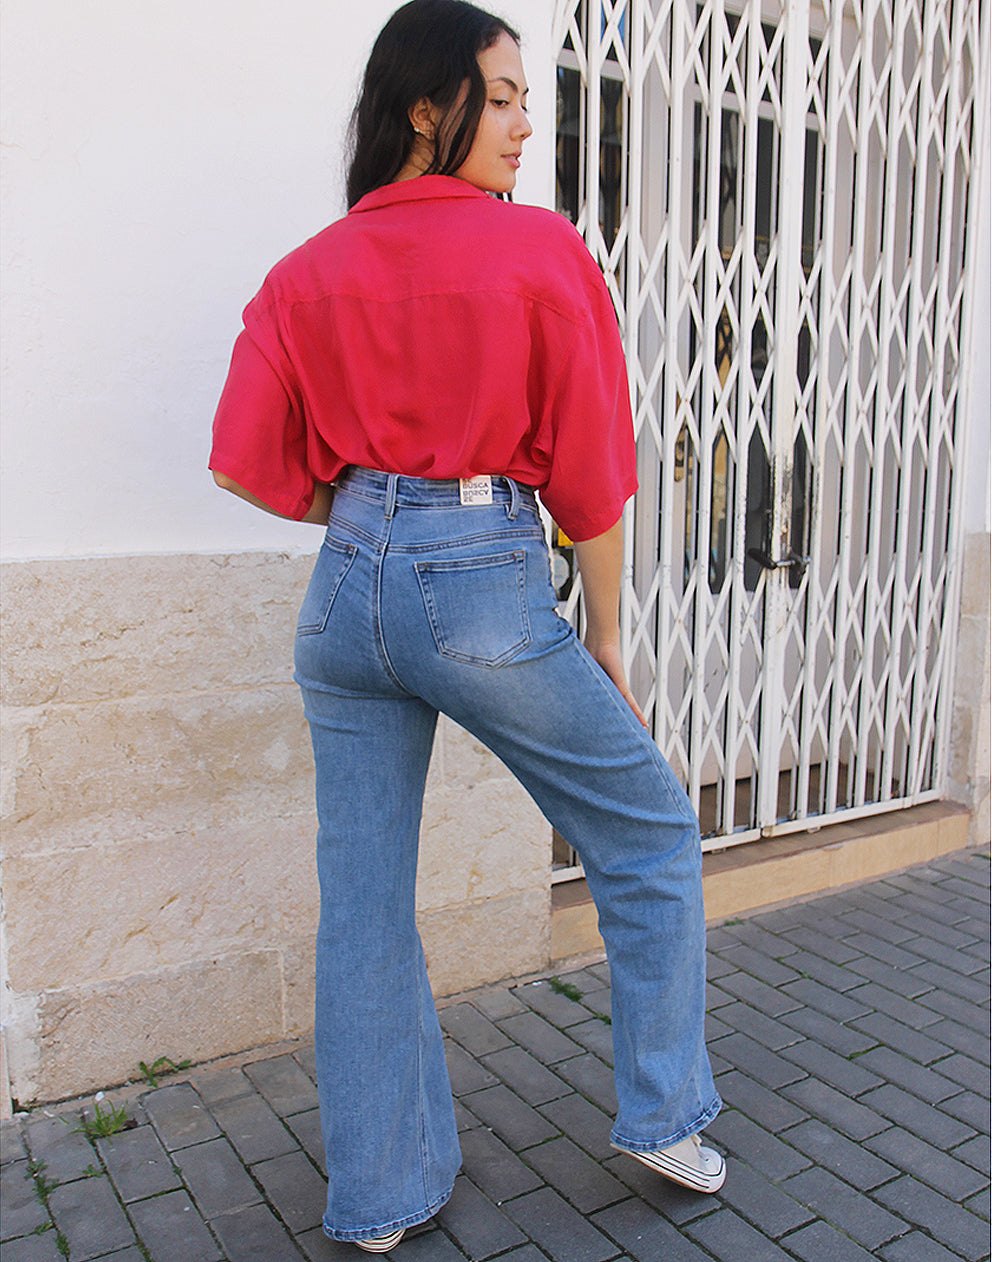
<point>777,195</point>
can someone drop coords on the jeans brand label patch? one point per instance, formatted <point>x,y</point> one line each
<point>476,490</point>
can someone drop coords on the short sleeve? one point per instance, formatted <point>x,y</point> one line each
<point>593,457</point>
<point>259,434</point>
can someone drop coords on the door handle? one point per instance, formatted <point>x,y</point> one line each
<point>767,562</point>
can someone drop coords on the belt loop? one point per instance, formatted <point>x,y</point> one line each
<point>514,507</point>
<point>391,480</point>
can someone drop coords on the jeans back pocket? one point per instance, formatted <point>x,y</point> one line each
<point>477,606</point>
<point>333,563</point>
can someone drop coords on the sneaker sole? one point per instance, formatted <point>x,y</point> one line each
<point>383,1244</point>
<point>678,1171</point>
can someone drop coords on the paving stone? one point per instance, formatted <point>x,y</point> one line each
<point>676,1204</point>
<point>906,1073</point>
<point>65,1152</point>
<point>927,910</point>
<point>21,1209</point>
<point>553,1006</point>
<point>756,934</point>
<point>582,1181</point>
<point>965,1072</point>
<point>465,1073</point>
<point>283,1084</point>
<point>516,1123</point>
<point>901,983</point>
<point>216,1178</point>
<point>253,1129</point>
<point>964,1039</point>
<point>925,1120</point>
<point>582,1122</point>
<point>910,1012</point>
<point>434,1247</point>
<point>969,1108</point>
<point>849,1076</point>
<point>765,968</point>
<point>970,989</point>
<point>36,1249</point>
<point>841,1156</point>
<point>974,1017</point>
<point>464,1120</point>
<point>596,1037</point>
<point>645,1236</point>
<point>743,1053</point>
<point>820,1241</point>
<point>90,1216</point>
<point>879,934</point>
<point>827,1032</point>
<point>747,1020</point>
<point>585,980</point>
<point>294,1189</point>
<point>825,971</point>
<point>543,1040</point>
<point>306,1128</point>
<point>555,1227</point>
<point>479,1227</point>
<point>496,1002</point>
<point>137,1163</point>
<point>957,1228</point>
<point>770,1000</point>
<point>471,1030</point>
<point>834,1108</point>
<point>768,1108</point>
<point>217,1086</point>
<point>812,942</point>
<point>813,994</point>
<point>306,1058</point>
<point>714,1028</point>
<point>591,1078</point>
<point>915,1247</point>
<point>12,1146</point>
<point>730,1239</point>
<point>256,1235</point>
<point>762,1203</point>
<point>924,1048</point>
<point>976,1153</point>
<point>526,1076</point>
<point>715,997</point>
<point>598,1001</point>
<point>179,1116</point>
<point>494,1168</point>
<point>949,947</point>
<point>846,1208</point>
<point>755,1145</point>
<point>947,1175</point>
<point>172,1231</point>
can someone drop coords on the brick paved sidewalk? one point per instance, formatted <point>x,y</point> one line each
<point>849,1036</point>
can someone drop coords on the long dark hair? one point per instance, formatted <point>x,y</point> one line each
<point>428,48</point>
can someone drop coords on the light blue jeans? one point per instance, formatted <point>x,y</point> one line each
<point>419,604</point>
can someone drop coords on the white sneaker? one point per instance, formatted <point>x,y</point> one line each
<point>686,1162</point>
<point>381,1244</point>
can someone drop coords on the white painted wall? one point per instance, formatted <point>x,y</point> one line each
<point>158,159</point>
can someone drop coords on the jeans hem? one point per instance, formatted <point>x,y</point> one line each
<point>411,1220</point>
<point>633,1145</point>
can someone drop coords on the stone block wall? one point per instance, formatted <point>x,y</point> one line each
<point>159,889</point>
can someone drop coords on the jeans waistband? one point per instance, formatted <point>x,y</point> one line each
<point>397,490</point>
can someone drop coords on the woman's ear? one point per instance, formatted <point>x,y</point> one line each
<point>422,119</point>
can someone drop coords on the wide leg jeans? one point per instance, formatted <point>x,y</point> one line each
<point>420,604</point>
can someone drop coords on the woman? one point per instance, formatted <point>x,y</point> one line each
<point>411,375</point>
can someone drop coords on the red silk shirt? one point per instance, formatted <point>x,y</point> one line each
<point>437,332</point>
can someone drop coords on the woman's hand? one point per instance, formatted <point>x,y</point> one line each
<point>600,562</point>
<point>607,656</point>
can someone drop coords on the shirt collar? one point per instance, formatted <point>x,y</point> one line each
<point>421,188</point>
